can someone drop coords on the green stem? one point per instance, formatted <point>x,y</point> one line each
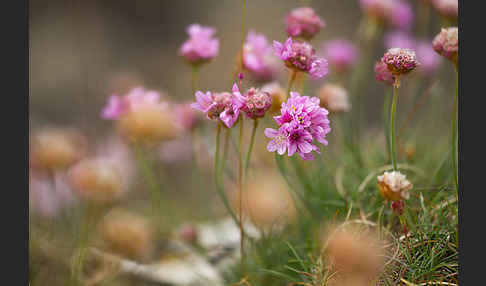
<point>219,189</point>
<point>454,132</point>
<point>151,179</point>
<point>293,75</point>
<point>252,141</point>
<point>386,118</point>
<point>240,193</point>
<point>393,154</point>
<point>194,79</point>
<point>242,34</point>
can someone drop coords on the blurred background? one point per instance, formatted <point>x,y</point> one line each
<point>81,52</point>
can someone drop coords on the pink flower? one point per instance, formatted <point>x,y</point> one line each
<point>300,56</point>
<point>399,39</point>
<point>400,61</point>
<point>254,102</point>
<point>223,106</point>
<point>383,74</point>
<point>303,22</point>
<point>394,13</point>
<point>186,115</point>
<point>446,43</point>
<point>429,59</point>
<point>341,54</point>
<point>137,97</point>
<point>258,57</point>
<point>447,8</point>
<point>301,122</point>
<point>201,45</point>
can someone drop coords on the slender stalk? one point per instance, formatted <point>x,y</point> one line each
<point>195,70</point>
<point>293,75</point>
<point>216,167</point>
<point>242,34</point>
<point>393,154</point>
<point>252,142</point>
<point>386,118</point>
<point>405,232</point>
<point>225,149</point>
<point>240,193</point>
<point>454,132</point>
<point>151,178</point>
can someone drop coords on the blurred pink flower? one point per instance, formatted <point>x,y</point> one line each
<point>447,8</point>
<point>429,59</point>
<point>186,115</point>
<point>303,22</point>
<point>201,46</point>
<point>399,39</point>
<point>176,151</point>
<point>446,43</point>
<point>258,57</point>
<point>301,56</point>
<point>395,13</point>
<point>341,54</point>
<point>49,197</point>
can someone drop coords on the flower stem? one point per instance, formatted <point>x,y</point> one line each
<point>194,79</point>
<point>220,191</point>
<point>293,75</point>
<point>242,34</point>
<point>240,193</point>
<point>393,154</point>
<point>454,132</point>
<point>386,118</point>
<point>405,232</point>
<point>252,142</point>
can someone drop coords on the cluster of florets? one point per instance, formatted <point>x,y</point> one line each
<point>303,22</point>
<point>396,13</point>
<point>429,60</point>
<point>300,56</point>
<point>400,61</point>
<point>394,186</point>
<point>446,43</point>
<point>258,56</point>
<point>340,53</point>
<point>301,122</point>
<point>447,8</point>
<point>218,105</point>
<point>201,46</point>
<point>254,102</point>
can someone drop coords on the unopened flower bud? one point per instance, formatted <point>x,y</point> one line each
<point>394,186</point>
<point>446,43</point>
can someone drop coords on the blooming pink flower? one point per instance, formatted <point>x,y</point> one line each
<point>341,54</point>
<point>301,56</point>
<point>301,122</point>
<point>258,57</point>
<point>303,22</point>
<point>383,74</point>
<point>254,102</point>
<point>400,61</point>
<point>223,106</point>
<point>201,45</point>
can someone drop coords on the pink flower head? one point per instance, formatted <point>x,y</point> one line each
<point>201,46</point>
<point>303,22</point>
<point>399,39</point>
<point>446,43</point>
<point>400,61</point>
<point>301,56</point>
<point>301,122</point>
<point>138,96</point>
<point>395,13</point>
<point>429,59</point>
<point>383,74</point>
<point>186,115</point>
<point>258,57</point>
<point>254,102</point>
<point>223,106</point>
<point>447,8</point>
<point>341,54</point>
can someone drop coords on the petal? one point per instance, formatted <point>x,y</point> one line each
<point>272,146</point>
<point>270,132</point>
<point>277,48</point>
<point>292,149</point>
